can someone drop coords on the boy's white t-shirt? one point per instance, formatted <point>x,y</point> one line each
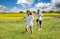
<point>29,20</point>
<point>39,16</point>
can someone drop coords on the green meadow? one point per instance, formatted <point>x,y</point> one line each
<point>13,27</point>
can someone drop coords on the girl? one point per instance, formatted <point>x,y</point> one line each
<point>39,19</point>
<point>29,21</point>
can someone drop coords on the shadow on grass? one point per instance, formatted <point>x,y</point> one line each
<point>18,32</point>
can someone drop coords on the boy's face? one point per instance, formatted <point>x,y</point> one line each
<point>38,11</point>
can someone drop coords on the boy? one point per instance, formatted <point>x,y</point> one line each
<point>39,19</point>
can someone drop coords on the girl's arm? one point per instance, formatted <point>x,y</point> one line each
<point>24,17</point>
<point>32,17</point>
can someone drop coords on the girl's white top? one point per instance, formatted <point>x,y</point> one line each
<point>29,19</point>
<point>39,16</point>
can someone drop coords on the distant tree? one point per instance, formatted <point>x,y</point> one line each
<point>21,12</point>
<point>57,11</point>
<point>51,11</point>
<point>43,11</point>
<point>34,11</point>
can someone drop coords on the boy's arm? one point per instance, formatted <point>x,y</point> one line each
<point>42,15</point>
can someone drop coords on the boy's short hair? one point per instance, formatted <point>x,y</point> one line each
<point>38,10</point>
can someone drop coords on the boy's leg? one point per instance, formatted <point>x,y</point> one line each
<point>31,29</point>
<point>40,24</point>
<point>37,23</point>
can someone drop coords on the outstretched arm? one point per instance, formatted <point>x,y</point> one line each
<point>24,17</point>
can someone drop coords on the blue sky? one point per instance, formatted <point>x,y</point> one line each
<point>19,4</point>
<point>12,3</point>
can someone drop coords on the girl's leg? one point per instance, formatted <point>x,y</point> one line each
<point>31,29</point>
<point>26,28</point>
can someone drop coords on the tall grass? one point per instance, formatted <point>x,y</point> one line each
<point>16,30</point>
<point>12,26</point>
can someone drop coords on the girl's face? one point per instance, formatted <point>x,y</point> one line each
<point>28,13</point>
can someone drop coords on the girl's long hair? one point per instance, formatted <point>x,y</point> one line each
<point>31,13</point>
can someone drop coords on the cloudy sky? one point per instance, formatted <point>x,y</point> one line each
<point>22,5</point>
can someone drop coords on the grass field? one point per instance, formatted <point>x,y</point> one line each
<point>12,27</point>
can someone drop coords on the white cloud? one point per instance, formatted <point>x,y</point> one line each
<point>33,9</point>
<point>3,8</point>
<point>15,9</point>
<point>54,5</point>
<point>48,8</point>
<point>42,5</point>
<point>24,2</point>
<point>55,1</point>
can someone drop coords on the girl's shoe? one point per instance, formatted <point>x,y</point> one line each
<point>39,29</point>
<point>26,33</point>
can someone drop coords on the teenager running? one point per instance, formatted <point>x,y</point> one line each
<point>39,19</point>
<point>29,21</point>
